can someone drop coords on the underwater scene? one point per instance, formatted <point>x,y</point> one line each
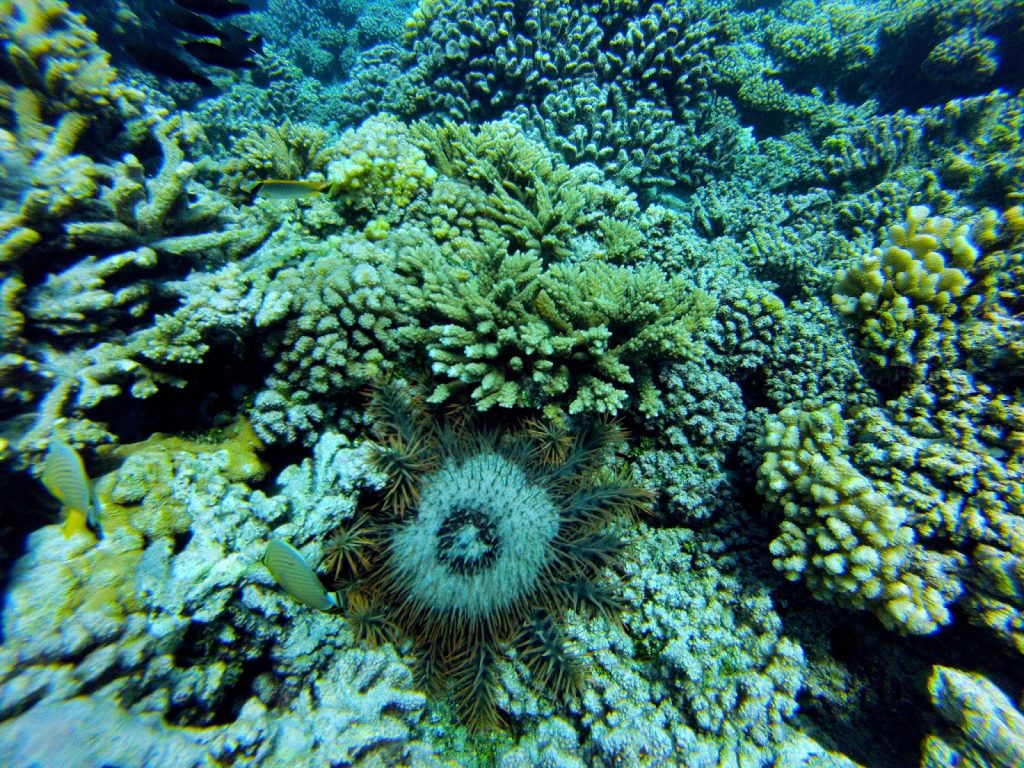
<point>512,383</point>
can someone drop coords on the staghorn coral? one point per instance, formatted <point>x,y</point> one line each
<point>633,143</point>
<point>965,58</point>
<point>90,238</point>
<point>838,37</point>
<point>483,66</point>
<point>981,147</point>
<point>269,151</point>
<point>662,54</point>
<point>43,178</point>
<point>864,154</point>
<point>156,212</point>
<point>56,56</point>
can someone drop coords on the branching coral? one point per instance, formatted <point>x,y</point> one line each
<point>905,507</point>
<point>557,66</point>
<point>286,151</point>
<point>519,189</point>
<point>332,326</point>
<point>569,338</point>
<point>843,534</point>
<point>56,55</point>
<point>912,295</point>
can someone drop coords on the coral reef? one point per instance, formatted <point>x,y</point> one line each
<point>101,210</point>
<point>842,534</point>
<point>781,244</point>
<point>339,321</point>
<point>641,67</point>
<point>158,627</point>
<point>697,430</point>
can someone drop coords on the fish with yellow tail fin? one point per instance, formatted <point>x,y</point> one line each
<point>295,577</point>
<point>64,476</point>
<point>283,189</point>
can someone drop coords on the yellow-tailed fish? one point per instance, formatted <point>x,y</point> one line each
<point>282,189</point>
<point>64,476</point>
<point>295,576</point>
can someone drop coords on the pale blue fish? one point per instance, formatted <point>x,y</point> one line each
<point>64,476</point>
<point>295,577</point>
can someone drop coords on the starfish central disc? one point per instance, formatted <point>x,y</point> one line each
<point>480,540</point>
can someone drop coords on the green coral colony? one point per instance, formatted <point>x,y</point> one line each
<point>512,383</point>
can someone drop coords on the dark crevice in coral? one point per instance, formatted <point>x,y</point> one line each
<point>880,714</point>
<point>25,506</point>
<point>203,644</point>
<point>857,717</point>
<point>898,82</point>
<point>212,395</point>
<point>181,540</point>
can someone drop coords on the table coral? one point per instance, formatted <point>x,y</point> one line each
<point>518,334</point>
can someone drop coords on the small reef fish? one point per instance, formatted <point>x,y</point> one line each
<point>295,576</point>
<point>64,476</point>
<point>280,189</point>
<point>185,39</point>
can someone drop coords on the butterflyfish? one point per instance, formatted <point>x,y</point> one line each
<point>295,577</point>
<point>64,476</point>
<point>282,189</point>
